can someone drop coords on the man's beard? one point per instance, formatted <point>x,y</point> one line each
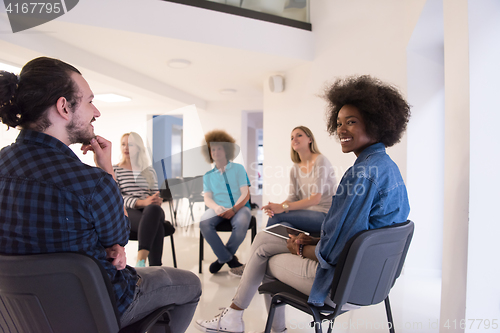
<point>77,134</point>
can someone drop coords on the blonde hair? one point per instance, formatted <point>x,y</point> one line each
<point>141,162</point>
<point>312,145</point>
<point>218,137</point>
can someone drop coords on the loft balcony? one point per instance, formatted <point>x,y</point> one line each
<point>292,13</point>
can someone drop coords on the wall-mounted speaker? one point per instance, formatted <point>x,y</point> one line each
<point>276,83</point>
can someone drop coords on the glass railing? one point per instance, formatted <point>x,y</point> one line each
<point>292,9</point>
<point>292,13</point>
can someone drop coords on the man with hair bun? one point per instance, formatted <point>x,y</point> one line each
<point>52,202</point>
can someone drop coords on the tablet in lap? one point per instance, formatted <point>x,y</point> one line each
<point>283,231</point>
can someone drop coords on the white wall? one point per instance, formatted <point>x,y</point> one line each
<point>456,177</point>
<point>251,122</point>
<point>190,23</point>
<point>483,271</point>
<point>7,137</point>
<point>425,171</point>
<point>229,116</point>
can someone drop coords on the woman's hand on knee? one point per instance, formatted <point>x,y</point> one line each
<point>272,208</point>
<point>154,199</point>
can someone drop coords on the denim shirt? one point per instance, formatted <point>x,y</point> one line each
<point>370,195</point>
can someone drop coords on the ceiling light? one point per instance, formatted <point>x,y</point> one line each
<point>228,91</point>
<point>111,98</point>
<point>9,68</point>
<point>178,63</point>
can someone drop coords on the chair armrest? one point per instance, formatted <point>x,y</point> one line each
<point>282,292</point>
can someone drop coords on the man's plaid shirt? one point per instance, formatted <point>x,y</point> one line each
<point>52,202</point>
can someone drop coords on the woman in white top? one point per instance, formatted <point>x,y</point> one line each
<point>139,187</point>
<point>312,185</point>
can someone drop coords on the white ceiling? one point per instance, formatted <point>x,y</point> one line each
<point>119,60</point>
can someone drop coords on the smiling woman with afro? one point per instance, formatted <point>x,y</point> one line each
<point>384,111</point>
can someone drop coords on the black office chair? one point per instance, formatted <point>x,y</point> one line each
<point>179,191</point>
<point>169,231</point>
<point>60,293</point>
<point>166,195</point>
<point>195,187</point>
<point>367,269</point>
<point>225,226</point>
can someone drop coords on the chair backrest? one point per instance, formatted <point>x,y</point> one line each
<point>56,292</point>
<point>178,187</point>
<point>195,186</point>
<point>165,192</point>
<point>370,263</point>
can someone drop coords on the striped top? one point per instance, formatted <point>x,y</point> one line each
<point>133,185</point>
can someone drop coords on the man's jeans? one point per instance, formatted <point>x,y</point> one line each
<point>160,286</point>
<point>239,222</point>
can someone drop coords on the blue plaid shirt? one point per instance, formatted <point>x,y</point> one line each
<point>52,202</point>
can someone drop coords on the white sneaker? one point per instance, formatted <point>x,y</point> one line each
<point>229,321</point>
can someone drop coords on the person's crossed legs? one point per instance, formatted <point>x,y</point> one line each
<point>225,253</point>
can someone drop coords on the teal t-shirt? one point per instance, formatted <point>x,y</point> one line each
<point>215,182</point>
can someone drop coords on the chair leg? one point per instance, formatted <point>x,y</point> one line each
<point>270,316</point>
<point>254,231</point>
<point>330,325</point>
<point>172,213</point>
<point>389,315</point>
<point>317,321</point>
<point>176,209</point>
<point>173,250</point>
<point>201,254</point>
<point>191,205</point>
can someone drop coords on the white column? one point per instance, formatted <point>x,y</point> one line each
<point>483,270</point>
<point>456,178</point>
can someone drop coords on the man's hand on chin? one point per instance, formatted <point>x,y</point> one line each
<point>102,153</point>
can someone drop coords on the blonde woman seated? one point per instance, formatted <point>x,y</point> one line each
<point>139,187</point>
<point>226,194</point>
<point>312,185</point>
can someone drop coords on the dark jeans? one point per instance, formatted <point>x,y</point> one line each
<point>148,223</point>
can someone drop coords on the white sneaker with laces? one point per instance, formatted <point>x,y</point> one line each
<point>228,321</point>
